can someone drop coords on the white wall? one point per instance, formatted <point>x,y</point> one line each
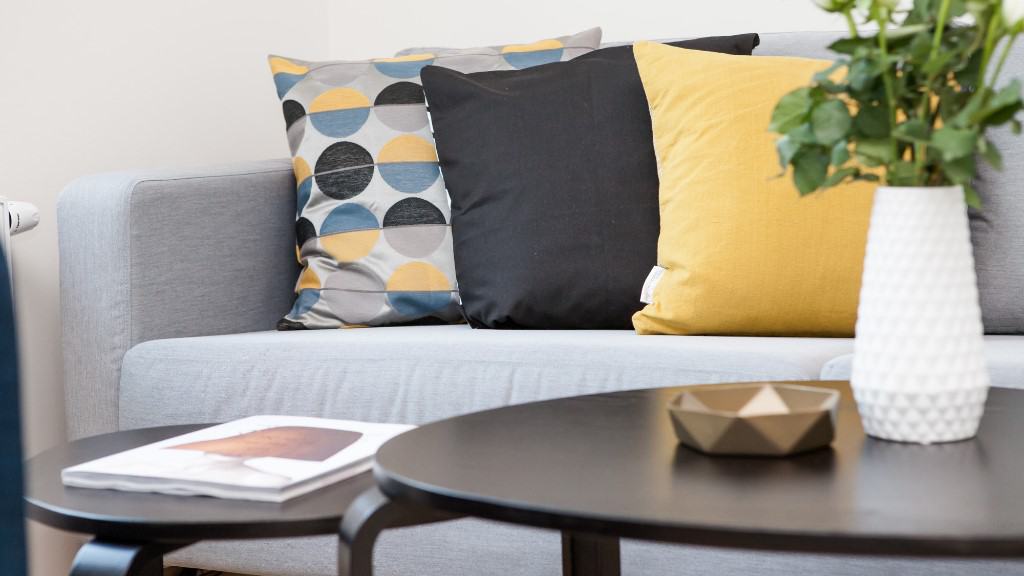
<point>372,29</point>
<point>114,84</point>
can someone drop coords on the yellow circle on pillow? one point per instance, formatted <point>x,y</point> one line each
<point>350,246</point>
<point>418,277</point>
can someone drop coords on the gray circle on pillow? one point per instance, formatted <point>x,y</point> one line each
<point>338,74</point>
<point>403,117</point>
<point>355,294</point>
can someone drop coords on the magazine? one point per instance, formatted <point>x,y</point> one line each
<point>264,458</point>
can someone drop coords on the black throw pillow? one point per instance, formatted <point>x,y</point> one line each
<point>554,187</point>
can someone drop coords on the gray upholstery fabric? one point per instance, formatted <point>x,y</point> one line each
<point>802,44</point>
<point>414,374</point>
<point>161,254</point>
<point>461,548</point>
<point>477,548</point>
<point>1005,356</point>
<point>997,230</point>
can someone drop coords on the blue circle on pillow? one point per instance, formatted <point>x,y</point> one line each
<point>402,69</point>
<point>339,123</point>
<point>304,303</point>
<point>409,177</point>
<point>348,218</point>
<point>418,304</point>
<point>284,82</point>
<point>304,191</point>
<point>522,60</point>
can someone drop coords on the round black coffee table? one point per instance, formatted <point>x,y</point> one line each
<point>133,531</point>
<point>608,466</point>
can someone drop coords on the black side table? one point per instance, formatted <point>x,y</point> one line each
<point>608,466</point>
<point>132,532</point>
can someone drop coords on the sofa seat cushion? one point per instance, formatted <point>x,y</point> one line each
<point>417,374</point>
<point>1005,356</point>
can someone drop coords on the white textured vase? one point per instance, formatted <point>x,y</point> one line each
<point>919,372</point>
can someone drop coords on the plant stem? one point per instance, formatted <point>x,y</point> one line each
<point>940,27</point>
<point>991,36</point>
<point>924,109</point>
<point>1002,58</point>
<point>850,23</point>
<point>920,156</point>
<point>882,16</point>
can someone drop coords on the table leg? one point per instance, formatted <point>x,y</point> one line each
<point>102,558</point>
<point>588,554</point>
<point>369,515</point>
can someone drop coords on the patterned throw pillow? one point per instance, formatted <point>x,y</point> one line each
<point>373,221</point>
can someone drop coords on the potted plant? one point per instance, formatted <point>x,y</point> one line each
<point>908,106</point>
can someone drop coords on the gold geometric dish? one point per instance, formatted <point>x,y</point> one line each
<point>755,419</point>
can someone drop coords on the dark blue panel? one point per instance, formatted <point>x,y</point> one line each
<point>12,524</point>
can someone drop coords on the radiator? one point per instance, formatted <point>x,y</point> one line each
<point>15,218</point>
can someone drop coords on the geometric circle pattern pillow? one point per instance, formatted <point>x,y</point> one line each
<point>372,214</point>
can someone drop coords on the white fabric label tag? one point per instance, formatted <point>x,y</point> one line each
<point>647,293</point>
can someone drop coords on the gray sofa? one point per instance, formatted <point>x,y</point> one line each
<point>172,280</point>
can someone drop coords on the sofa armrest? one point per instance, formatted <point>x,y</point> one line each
<point>165,254</point>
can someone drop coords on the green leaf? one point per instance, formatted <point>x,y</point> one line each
<point>901,173</point>
<point>961,170</point>
<point>824,78</point>
<point>920,48</point>
<point>967,114</point>
<point>837,176</point>
<point>802,134</point>
<point>954,143</point>
<point>840,153</point>
<point>872,121</point>
<point>921,12</point>
<point>1015,127</point>
<point>915,130</point>
<point>830,122</point>
<point>934,66</point>
<point>862,74</point>
<point>787,148</point>
<point>990,153</point>
<point>850,45</point>
<point>971,197</point>
<point>1007,96</point>
<point>824,75</point>
<point>867,177</point>
<point>810,168</point>
<point>906,31</point>
<point>791,111</point>
<point>968,75</point>
<point>1003,106</point>
<point>875,152</point>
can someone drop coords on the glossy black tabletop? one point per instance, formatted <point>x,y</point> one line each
<point>118,515</point>
<point>610,464</point>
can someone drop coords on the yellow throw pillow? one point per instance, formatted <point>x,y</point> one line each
<point>743,253</point>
